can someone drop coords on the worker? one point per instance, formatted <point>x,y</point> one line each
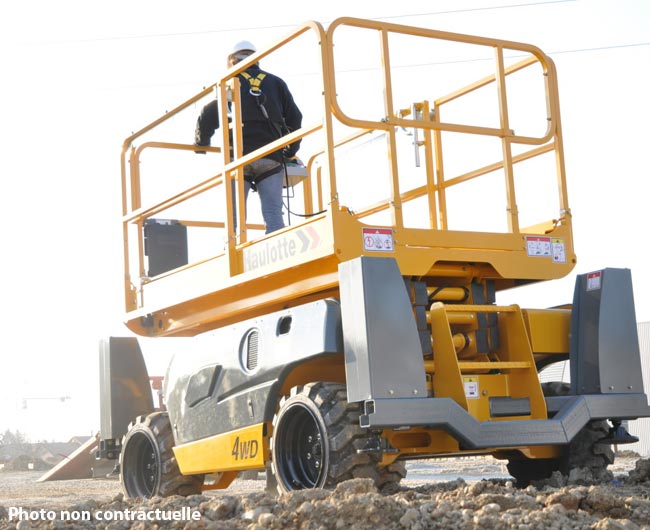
<point>268,112</point>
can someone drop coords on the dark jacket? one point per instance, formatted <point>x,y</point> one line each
<point>257,130</point>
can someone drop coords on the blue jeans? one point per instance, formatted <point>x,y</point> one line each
<point>270,190</point>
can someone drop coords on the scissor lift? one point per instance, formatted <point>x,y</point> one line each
<point>467,197</point>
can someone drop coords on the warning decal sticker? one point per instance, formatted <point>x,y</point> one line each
<point>471,387</point>
<point>378,239</point>
<point>559,252</point>
<point>593,281</point>
<point>538,246</point>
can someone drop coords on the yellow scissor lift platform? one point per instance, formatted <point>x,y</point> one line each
<point>446,197</point>
<point>436,180</point>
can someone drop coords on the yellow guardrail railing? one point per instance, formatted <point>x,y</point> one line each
<point>425,119</point>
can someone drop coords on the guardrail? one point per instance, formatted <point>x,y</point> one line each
<point>423,119</point>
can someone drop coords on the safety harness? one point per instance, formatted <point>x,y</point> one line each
<point>255,90</point>
<point>255,84</point>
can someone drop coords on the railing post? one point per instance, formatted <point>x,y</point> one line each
<point>226,154</point>
<point>513,214</point>
<point>439,176</point>
<point>329,99</point>
<point>136,202</point>
<point>430,168</point>
<point>393,169</point>
<point>554,118</point>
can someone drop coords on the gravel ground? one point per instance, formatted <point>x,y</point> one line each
<point>469,493</point>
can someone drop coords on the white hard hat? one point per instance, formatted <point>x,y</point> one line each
<point>243,45</point>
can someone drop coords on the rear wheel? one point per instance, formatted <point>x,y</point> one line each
<point>527,470</point>
<point>583,451</point>
<point>315,440</point>
<point>148,467</point>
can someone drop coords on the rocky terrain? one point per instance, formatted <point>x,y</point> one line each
<point>459,494</point>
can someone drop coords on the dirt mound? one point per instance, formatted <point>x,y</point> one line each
<point>496,504</point>
<point>641,472</point>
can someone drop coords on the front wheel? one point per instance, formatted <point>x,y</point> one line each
<point>584,451</point>
<point>148,467</point>
<point>316,435</point>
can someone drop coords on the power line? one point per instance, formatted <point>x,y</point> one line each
<point>454,11</point>
<point>599,48</point>
<point>460,61</point>
<point>284,26</point>
<point>415,65</point>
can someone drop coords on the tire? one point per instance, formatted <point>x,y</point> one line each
<point>148,467</point>
<point>316,435</point>
<point>527,470</point>
<point>582,452</point>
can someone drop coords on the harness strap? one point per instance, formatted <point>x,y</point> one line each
<point>256,90</point>
<point>254,83</point>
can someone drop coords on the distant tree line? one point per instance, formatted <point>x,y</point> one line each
<point>13,438</point>
<point>14,445</point>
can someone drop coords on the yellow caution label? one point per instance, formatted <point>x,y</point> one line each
<point>470,383</point>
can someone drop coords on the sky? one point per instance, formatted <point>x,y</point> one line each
<point>78,77</point>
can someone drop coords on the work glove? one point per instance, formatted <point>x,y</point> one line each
<point>289,151</point>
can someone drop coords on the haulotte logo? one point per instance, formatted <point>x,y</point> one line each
<point>281,248</point>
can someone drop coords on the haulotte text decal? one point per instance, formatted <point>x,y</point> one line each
<point>281,248</point>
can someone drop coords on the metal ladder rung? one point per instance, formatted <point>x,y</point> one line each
<point>468,366</point>
<point>496,365</point>
<point>482,308</point>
